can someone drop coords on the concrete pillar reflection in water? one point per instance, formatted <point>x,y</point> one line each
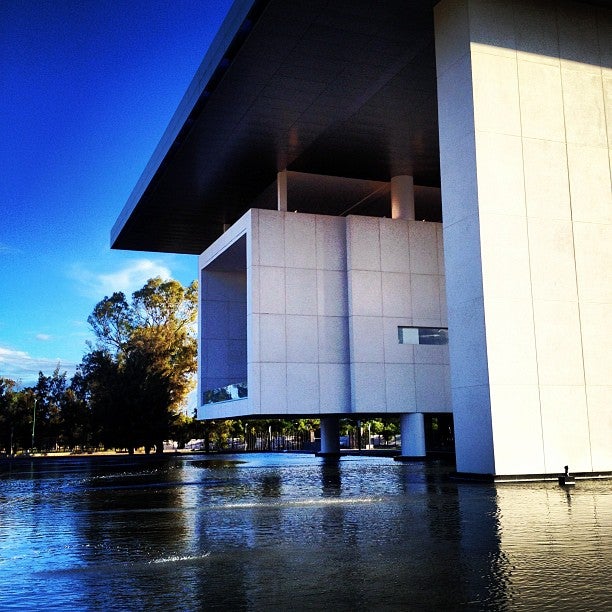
<point>412,427</point>
<point>330,435</point>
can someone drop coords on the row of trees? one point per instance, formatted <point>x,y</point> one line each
<point>129,387</point>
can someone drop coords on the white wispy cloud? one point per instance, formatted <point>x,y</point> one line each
<point>43,337</point>
<point>132,276</point>
<point>23,367</point>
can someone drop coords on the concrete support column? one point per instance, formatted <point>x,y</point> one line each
<point>412,427</point>
<point>526,203</point>
<point>402,197</point>
<point>281,183</point>
<point>330,435</point>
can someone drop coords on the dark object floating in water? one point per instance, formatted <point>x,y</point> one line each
<point>216,463</point>
<point>566,480</point>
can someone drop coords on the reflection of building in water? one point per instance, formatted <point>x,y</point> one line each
<point>364,185</point>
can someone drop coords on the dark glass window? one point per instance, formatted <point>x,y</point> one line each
<point>422,335</point>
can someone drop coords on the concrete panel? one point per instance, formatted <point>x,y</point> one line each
<point>510,333</point>
<point>332,293</point>
<point>517,429</point>
<point>440,249</point>
<point>252,222</point>
<point>273,388</point>
<point>578,40</point>
<point>443,302</point>
<point>551,251</point>
<point>271,290</point>
<point>467,346</point>
<point>216,358</point>
<point>368,388</point>
<point>237,320</point>
<point>254,386</point>
<point>593,244</point>
<point>253,290</point>
<point>223,286</point>
<point>596,324</point>
<point>334,383</point>
<point>301,288</point>
<point>333,340</point>
<point>300,245</point>
<point>590,187</point>
<point>365,293</point>
<point>394,251</point>
<point>400,385</point>
<point>302,339</point>
<point>432,387</point>
<point>363,243</point>
<point>253,337</point>
<point>423,247</point>
<point>458,180</point>
<point>425,294</point>
<point>492,26</point>
<point>473,430</point>
<point>463,267</point>
<point>546,179</point>
<point>451,18</point>
<point>607,89</point>
<point>215,320</point>
<point>366,335</point>
<point>455,96</point>
<point>505,257</point>
<point>396,298</point>
<point>496,99</point>
<point>271,227</point>
<point>500,174</point>
<point>537,39</point>
<point>600,425</point>
<point>303,388</point>
<point>558,343</point>
<point>272,339</point>
<point>542,113</point>
<point>431,353</point>
<point>331,243</point>
<point>584,107</point>
<point>565,428</point>
<point>604,32</point>
<point>237,360</point>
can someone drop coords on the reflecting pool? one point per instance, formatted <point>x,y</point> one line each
<point>295,532</point>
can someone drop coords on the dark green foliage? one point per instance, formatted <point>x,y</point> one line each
<point>140,370</point>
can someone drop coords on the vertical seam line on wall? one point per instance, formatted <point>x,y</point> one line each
<point>533,321</point>
<point>318,354</point>
<point>569,185</point>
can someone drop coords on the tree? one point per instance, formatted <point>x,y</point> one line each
<point>141,367</point>
<point>16,415</point>
<point>50,391</point>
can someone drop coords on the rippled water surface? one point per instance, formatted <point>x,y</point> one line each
<point>293,532</point>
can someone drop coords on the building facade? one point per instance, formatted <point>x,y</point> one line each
<point>364,185</point>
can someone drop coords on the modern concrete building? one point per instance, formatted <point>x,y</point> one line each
<point>357,178</point>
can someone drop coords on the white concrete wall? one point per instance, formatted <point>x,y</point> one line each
<point>525,111</point>
<point>299,349</point>
<point>395,272</point>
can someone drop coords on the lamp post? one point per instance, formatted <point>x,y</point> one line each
<point>33,424</point>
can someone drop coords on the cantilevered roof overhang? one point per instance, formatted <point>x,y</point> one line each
<point>334,87</point>
<point>342,88</point>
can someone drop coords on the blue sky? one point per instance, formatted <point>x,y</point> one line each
<point>88,87</point>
